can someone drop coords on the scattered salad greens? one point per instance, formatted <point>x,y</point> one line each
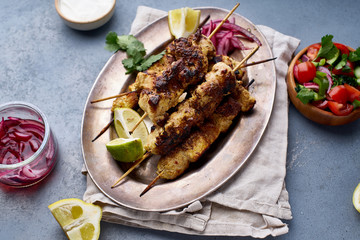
<point>134,49</point>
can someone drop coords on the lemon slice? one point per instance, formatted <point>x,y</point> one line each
<point>183,21</point>
<point>356,197</point>
<point>125,119</point>
<point>78,219</point>
<point>125,149</point>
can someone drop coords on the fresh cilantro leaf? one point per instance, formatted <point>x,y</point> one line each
<point>305,95</point>
<point>124,41</point>
<point>136,46</point>
<point>150,60</point>
<point>355,56</point>
<point>134,49</point>
<point>328,49</point>
<point>341,79</point>
<point>128,63</point>
<point>137,56</point>
<point>111,42</point>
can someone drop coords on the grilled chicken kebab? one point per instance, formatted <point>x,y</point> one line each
<point>177,161</point>
<point>185,63</point>
<point>192,112</point>
<point>184,135</point>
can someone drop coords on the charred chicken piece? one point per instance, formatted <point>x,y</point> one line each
<point>193,111</point>
<point>177,161</point>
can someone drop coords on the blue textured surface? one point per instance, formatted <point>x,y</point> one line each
<point>44,62</point>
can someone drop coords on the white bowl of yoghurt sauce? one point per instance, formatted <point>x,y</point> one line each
<point>85,14</point>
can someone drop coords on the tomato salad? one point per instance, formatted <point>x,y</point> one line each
<point>328,76</point>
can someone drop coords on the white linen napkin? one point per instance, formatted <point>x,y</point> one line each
<point>255,199</point>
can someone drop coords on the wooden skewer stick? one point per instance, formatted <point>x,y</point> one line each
<point>204,21</point>
<point>137,124</point>
<point>249,84</point>
<point>258,62</point>
<point>223,21</point>
<point>151,184</point>
<point>103,130</point>
<point>115,96</point>
<point>246,58</point>
<point>146,155</point>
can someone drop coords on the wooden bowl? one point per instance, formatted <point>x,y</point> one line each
<point>308,110</point>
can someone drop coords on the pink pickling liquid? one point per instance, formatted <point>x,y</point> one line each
<point>19,140</point>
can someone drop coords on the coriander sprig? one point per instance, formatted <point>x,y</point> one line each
<point>134,49</point>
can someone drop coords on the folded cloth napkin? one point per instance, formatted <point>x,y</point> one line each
<point>253,201</point>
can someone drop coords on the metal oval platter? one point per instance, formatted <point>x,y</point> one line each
<point>224,158</point>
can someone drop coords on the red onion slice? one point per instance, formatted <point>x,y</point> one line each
<point>305,58</point>
<point>311,85</point>
<point>34,145</point>
<point>324,70</point>
<point>320,104</point>
<point>328,75</point>
<point>242,31</point>
<point>22,136</point>
<point>2,128</point>
<point>28,172</point>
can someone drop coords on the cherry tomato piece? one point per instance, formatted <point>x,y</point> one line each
<point>353,93</point>
<point>341,72</point>
<point>304,72</point>
<point>340,109</point>
<point>313,51</point>
<point>339,94</point>
<point>343,49</point>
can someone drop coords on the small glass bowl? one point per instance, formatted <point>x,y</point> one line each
<point>36,167</point>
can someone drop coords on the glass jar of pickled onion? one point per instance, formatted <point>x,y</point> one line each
<point>27,146</point>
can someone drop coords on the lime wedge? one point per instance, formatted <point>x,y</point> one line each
<point>356,198</point>
<point>125,119</point>
<point>125,149</point>
<point>78,219</point>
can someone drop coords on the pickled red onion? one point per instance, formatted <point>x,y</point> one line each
<point>225,39</point>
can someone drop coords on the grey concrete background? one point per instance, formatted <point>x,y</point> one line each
<point>44,62</point>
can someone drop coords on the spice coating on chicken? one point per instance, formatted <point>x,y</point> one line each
<point>228,61</point>
<point>162,91</point>
<point>148,78</point>
<point>192,112</point>
<point>177,161</point>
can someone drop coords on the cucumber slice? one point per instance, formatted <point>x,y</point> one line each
<point>357,72</point>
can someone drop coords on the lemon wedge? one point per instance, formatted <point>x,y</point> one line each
<point>125,119</point>
<point>125,149</point>
<point>183,21</point>
<point>356,198</point>
<point>78,219</point>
